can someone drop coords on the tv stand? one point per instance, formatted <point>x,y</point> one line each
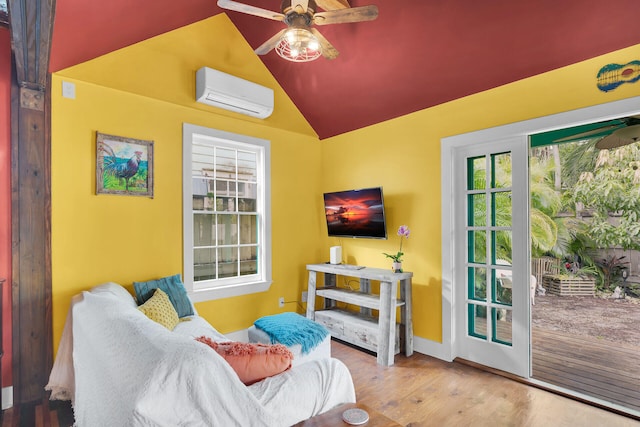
<point>379,334</point>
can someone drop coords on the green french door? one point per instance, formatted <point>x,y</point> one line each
<point>491,271</point>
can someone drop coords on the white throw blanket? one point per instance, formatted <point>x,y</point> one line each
<point>131,371</point>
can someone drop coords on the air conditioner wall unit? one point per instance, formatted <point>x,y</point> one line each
<point>232,93</point>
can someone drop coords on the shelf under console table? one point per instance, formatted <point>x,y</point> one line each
<point>383,334</point>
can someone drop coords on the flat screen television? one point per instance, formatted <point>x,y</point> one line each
<point>356,213</point>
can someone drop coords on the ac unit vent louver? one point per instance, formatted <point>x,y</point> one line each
<point>232,93</point>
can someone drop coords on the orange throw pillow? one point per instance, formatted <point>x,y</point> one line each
<point>252,362</point>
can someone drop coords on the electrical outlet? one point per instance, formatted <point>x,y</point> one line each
<point>305,294</point>
<point>281,301</point>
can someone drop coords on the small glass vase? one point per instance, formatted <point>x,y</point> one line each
<point>396,267</point>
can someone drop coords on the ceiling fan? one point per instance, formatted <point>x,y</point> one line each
<point>300,42</point>
<point>613,134</point>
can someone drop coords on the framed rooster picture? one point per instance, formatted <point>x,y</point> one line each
<point>124,166</point>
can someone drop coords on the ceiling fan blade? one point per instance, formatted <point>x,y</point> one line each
<point>344,16</point>
<point>587,134</point>
<point>613,141</point>
<point>268,46</point>
<point>333,4</point>
<point>619,137</point>
<point>299,6</point>
<point>631,132</point>
<point>328,51</point>
<point>251,10</point>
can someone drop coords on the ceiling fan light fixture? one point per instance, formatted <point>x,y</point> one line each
<point>298,45</point>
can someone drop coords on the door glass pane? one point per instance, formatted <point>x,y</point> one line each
<point>501,170</point>
<point>502,286</point>
<point>501,209</point>
<point>477,283</point>
<point>477,210</point>
<point>477,320</point>
<point>476,173</point>
<point>477,246</point>
<point>502,248</point>
<point>503,325</point>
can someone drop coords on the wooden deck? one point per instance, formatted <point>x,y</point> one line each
<point>597,368</point>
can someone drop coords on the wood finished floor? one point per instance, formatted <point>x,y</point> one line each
<point>423,391</point>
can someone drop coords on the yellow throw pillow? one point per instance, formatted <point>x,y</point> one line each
<point>159,309</point>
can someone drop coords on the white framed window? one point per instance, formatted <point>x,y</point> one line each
<point>226,213</point>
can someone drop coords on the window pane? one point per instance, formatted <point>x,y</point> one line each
<point>247,205</point>
<point>204,264</point>
<point>247,166</point>
<point>225,163</point>
<point>228,265</point>
<point>202,160</point>
<point>226,204</point>
<point>248,229</point>
<point>204,230</point>
<point>249,261</point>
<point>227,229</point>
<point>225,188</point>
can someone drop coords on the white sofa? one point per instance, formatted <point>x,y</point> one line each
<point>119,368</point>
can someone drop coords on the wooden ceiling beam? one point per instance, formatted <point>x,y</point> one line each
<point>31,24</point>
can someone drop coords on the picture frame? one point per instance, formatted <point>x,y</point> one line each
<point>124,166</point>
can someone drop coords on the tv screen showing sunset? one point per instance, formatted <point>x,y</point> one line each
<point>355,213</point>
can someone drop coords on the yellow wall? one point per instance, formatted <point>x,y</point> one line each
<point>403,156</point>
<point>100,238</point>
<point>145,91</point>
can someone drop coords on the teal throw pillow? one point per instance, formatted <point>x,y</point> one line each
<point>172,286</point>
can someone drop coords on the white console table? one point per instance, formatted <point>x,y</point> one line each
<point>381,334</point>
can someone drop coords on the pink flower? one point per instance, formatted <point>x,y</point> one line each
<point>403,231</point>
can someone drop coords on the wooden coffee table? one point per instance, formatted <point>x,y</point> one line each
<point>333,418</point>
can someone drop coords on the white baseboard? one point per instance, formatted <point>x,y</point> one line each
<point>420,345</point>
<point>432,348</point>
<point>7,397</point>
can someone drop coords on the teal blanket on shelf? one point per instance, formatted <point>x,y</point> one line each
<point>292,328</point>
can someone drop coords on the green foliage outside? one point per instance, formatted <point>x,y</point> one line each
<point>594,204</point>
<point>599,206</point>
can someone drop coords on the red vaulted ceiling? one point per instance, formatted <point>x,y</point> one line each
<point>417,54</point>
